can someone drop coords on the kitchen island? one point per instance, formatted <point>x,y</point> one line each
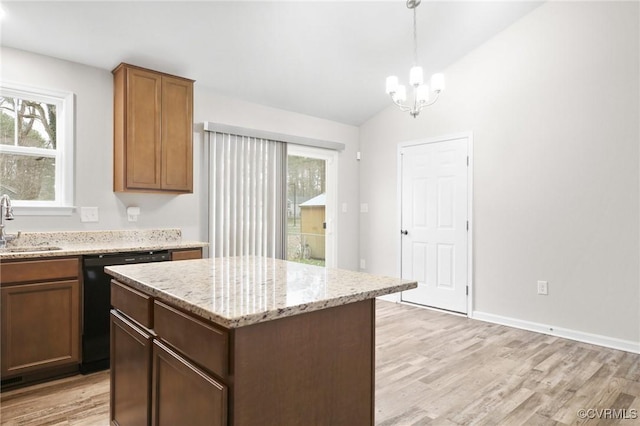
<point>243,341</point>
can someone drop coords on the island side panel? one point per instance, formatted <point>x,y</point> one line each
<point>312,368</point>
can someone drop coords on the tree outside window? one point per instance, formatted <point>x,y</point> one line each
<point>36,146</point>
<point>306,187</point>
<point>28,174</point>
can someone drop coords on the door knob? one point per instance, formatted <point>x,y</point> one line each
<point>404,232</point>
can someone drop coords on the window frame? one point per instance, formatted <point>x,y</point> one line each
<point>64,152</point>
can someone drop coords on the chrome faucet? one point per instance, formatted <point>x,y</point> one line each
<point>6,213</point>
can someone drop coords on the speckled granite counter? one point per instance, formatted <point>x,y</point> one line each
<point>73,243</point>
<point>239,291</point>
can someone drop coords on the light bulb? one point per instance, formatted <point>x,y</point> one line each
<point>392,84</point>
<point>415,76</point>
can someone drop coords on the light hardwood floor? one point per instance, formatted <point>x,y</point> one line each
<point>432,368</point>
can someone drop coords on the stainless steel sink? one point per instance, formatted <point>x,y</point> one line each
<point>28,249</point>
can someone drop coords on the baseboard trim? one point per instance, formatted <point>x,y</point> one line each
<point>580,336</point>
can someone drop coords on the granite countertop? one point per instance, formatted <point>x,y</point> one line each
<point>73,243</point>
<point>238,291</point>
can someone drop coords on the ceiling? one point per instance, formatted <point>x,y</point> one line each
<point>327,59</point>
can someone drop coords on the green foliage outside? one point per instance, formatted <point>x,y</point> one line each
<point>305,180</point>
<point>27,177</point>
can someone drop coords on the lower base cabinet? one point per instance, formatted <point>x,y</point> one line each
<point>314,368</point>
<point>130,372</point>
<point>152,384</point>
<point>40,326</point>
<point>184,394</point>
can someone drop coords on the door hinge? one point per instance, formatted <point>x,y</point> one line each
<point>467,225</point>
<point>467,161</point>
<point>467,290</point>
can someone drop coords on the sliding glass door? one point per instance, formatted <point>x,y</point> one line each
<point>311,201</point>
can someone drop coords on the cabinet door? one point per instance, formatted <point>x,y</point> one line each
<point>184,394</point>
<point>130,372</point>
<point>143,118</point>
<point>177,134</point>
<point>40,326</point>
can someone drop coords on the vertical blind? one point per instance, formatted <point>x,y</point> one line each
<point>247,196</point>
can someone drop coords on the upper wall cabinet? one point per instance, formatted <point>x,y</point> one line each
<point>153,131</point>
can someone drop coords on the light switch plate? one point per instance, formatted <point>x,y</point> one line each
<point>89,214</point>
<point>364,208</point>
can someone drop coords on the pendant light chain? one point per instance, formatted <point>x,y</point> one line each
<point>415,39</point>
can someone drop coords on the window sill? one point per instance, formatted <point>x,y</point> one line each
<point>43,211</point>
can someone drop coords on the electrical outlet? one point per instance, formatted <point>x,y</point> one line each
<point>89,214</point>
<point>543,288</point>
<point>364,208</point>
<point>133,213</point>
<point>363,264</point>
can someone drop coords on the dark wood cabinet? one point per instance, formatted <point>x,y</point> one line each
<point>177,134</point>
<point>183,393</point>
<point>134,304</point>
<point>315,368</point>
<point>312,368</point>
<point>202,343</point>
<point>153,382</point>
<point>130,372</point>
<point>153,131</point>
<point>40,331</point>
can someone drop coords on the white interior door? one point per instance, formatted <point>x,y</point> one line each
<point>434,223</point>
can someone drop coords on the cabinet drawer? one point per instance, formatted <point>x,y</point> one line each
<point>39,270</point>
<point>203,343</point>
<point>132,303</point>
<point>186,254</point>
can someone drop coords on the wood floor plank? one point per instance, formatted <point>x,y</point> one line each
<point>432,368</point>
<point>545,381</point>
<point>77,400</point>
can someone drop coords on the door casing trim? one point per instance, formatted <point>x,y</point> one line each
<point>401,145</point>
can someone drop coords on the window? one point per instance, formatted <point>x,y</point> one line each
<point>36,149</point>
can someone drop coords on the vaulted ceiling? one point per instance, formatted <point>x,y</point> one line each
<point>327,59</point>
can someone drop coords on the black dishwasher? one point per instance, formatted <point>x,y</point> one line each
<point>97,303</point>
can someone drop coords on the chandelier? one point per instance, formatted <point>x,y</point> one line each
<point>421,92</point>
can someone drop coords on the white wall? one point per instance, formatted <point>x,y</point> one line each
<point>93,90</point>
<point>553,104</point>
